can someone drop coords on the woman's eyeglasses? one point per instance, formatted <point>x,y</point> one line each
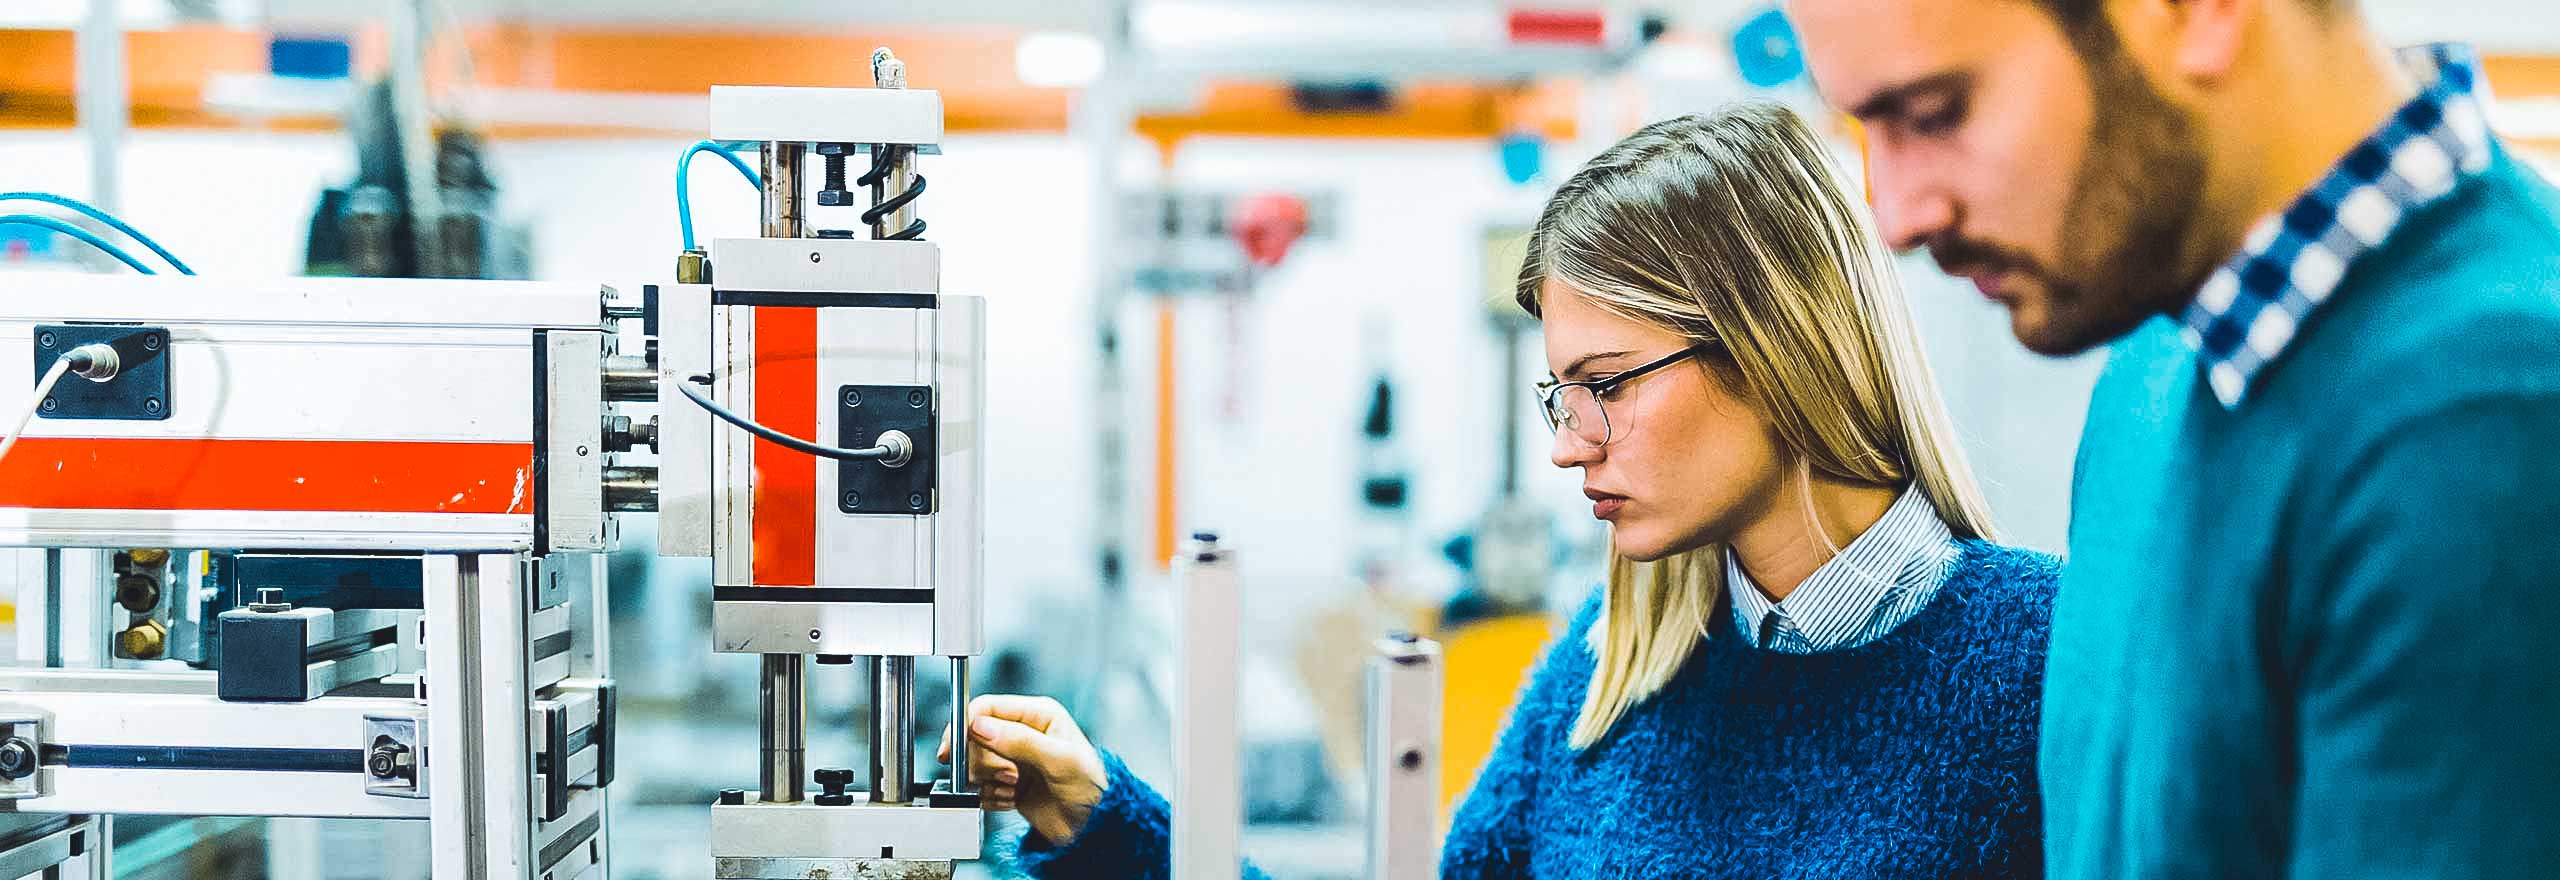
<point>1576,406</point>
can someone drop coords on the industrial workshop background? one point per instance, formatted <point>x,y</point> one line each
<point>1246,266</point>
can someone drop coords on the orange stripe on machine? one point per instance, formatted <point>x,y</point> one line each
<point>785,526</point>
<point>353,476</point>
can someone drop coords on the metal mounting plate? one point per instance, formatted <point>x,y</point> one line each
<point>863,413</point>
<point>139,393</point>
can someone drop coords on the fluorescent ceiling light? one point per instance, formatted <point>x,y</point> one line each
<point>1058,59</point>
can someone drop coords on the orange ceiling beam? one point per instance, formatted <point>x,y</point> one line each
<point>972,69</point>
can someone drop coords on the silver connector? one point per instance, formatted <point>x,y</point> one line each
<point>902,449</point>
<point>96,362</point>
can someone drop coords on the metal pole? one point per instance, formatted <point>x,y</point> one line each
<point>413,124</point>
<point>960,726</point>
<point>102,98</point>
<point>783,214</point>
<point>893,743</point>
<point>785,733</point>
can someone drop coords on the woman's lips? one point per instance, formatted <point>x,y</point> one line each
<point>1605,505</point>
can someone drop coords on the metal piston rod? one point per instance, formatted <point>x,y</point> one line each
<point>893,744</point>
<point>785,765</point>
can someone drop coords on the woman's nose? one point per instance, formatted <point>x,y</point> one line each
<point>1570,451</point>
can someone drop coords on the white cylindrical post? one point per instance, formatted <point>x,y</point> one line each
<point>1404,759</point>
<point>1207,806</point>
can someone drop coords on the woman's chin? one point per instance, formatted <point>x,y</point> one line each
<point>1638,546</point>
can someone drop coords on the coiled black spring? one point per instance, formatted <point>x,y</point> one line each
<point>883,158</point>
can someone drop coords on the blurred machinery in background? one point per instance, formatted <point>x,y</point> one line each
<point>364,228</point>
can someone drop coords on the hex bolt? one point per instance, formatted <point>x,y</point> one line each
<point>733,797</point>
<point>17,758</point>
<point>271,601</point>
<point>389,759</point>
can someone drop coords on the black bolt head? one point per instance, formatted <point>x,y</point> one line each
<point>852,397</point>
<point>151,342</point>
<point>733,797</point>
<point>835,198</point>
<point>915,398</point>
<point>151,405</point>
<point>833,800</point>
<point>833,777</point>
<point>832,149</point>
<point>915,501</point>
<point>853,499</point>
<point>1410,760</point>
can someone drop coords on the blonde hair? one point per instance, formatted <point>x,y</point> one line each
<point>1733,227</point>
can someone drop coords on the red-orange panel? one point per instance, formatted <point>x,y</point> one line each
<point>786,499</point>
<point>288,475</point>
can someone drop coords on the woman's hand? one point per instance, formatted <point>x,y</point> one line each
<point>1026,755</point>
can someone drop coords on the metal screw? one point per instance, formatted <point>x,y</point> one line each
<point>853,499</point>
<point>813,635</point>
<point>582,450</point>
<point>915,398</point>
<point>50,405</point>
<point>44,340</point>
<point>813,256</point>
<point>852,397</point>
<point>151,342</point>
<point>152,405</point>
<point>916,501</point>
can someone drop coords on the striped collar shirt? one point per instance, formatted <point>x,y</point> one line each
<point>1880,580</point>
<point>2248,309</point>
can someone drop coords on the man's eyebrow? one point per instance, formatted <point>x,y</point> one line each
<point>1585,360</point>
<point>1888,102</point>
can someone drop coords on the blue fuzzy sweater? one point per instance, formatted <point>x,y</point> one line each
<point>1909,758</point>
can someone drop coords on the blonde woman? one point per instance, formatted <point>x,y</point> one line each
<point>1809,661</point>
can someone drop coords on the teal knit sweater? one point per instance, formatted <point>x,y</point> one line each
<point>2318,635</point>
<point>1908,758</point>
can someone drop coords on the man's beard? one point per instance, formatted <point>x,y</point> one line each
<point>2133,208</point>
